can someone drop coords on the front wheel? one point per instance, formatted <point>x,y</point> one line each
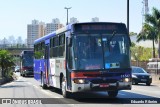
<point>134,82</point>
<point>148,84</point>
<point>65,93</point>
<point>112,94</point>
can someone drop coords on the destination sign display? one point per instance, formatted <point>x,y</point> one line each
<point>103,27</point>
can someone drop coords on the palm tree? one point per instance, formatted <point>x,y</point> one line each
<point>154,20</point>
<point>151,28</point>
<point>148,33</point>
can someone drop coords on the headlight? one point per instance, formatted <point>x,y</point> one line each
<point>134,76</point>
<point>126,80</point>
<point>79,81</point>
<point>150,76</point>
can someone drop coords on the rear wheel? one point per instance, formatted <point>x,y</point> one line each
<point>112,94</point>
<point>44,86</point>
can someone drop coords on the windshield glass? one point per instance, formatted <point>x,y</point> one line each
<point>116,51</point>
<point>89,51</point>
<point>138,70</point>
<point>27,60</point>
<point>101,51</point>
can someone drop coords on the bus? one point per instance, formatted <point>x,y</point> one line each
<point>84,57</point>
<point>26,62</point>
<point>153,66</point>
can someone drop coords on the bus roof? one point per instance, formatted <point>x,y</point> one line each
<point>53,33</point>
<point>68,27</point>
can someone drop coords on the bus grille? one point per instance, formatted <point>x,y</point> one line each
<point>98,81</point>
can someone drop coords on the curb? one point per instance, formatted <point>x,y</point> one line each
<point>7,80</point>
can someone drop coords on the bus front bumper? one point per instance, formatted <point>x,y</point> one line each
<point>28,72</point>
<point>101,86</point>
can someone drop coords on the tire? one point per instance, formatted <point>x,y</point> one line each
<point>134,82</point>
<point>44,86</point>
<point>112,94</point>
<point>65,93</point>
<point>148,84</point>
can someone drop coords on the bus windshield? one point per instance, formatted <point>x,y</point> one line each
<point>101,51</point>
<point>27,60</point>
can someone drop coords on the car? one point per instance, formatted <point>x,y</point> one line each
<point>16,69</point>
<point>139,75</point>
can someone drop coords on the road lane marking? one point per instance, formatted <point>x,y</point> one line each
<point>44,91</point>
<point>35,86</point>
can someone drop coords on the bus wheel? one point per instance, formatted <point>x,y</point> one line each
<point>112,94</point>
<point>44,86</point>
<point>63,89</point>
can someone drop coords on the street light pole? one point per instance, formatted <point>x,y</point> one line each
<point>67,8</point>
<point>128,15</point>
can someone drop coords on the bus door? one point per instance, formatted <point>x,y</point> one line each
<point>68,64</point>
<point>47,63</point>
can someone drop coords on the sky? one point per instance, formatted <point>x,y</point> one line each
<point>16,14</point>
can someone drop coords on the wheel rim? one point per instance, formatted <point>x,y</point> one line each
<point>63,88</point>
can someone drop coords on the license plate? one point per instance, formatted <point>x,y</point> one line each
<point>143,80</point>
<point>103,85</point>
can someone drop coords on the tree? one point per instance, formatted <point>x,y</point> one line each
<point>6,62</point>
<point>132,33</point>
<point>148,33</point>
<point>140,53</point>
<point>154,20</point>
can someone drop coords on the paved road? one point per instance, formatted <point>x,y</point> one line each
<point>30,88</point>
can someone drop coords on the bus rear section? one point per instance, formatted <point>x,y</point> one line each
<point>26,67</point>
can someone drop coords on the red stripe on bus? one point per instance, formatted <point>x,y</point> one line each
<point>84,74</point>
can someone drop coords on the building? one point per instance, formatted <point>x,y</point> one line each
<point>34,30</point>
<point>73,20</point>
<point>53,26</point>
<point>95,19</point>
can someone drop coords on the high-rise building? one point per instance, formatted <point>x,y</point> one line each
<point>73,20</point>
<point>34,30</point>
<point>53,26</point>
<point>95,19</point>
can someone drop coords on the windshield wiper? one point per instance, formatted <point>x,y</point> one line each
<point>113,35</point>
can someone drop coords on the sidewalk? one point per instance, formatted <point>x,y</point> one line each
<point>155,79</point>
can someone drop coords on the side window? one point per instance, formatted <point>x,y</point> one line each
<point>61,45</point>
<point>62,39</point>
<point>55,46</point>
<point>56,41</point>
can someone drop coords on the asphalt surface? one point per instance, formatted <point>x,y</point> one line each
<point>31,94</point>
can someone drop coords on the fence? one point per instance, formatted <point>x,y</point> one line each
<point>142,64</point>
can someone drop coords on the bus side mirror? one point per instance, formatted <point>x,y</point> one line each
<point>69,42</point>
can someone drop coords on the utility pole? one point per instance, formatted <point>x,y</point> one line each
<point>67,8</point>
<point>128,15</point>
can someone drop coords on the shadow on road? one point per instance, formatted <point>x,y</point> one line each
<point>141,84</point>
<point>123,97</point>
<point>12,86</point>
